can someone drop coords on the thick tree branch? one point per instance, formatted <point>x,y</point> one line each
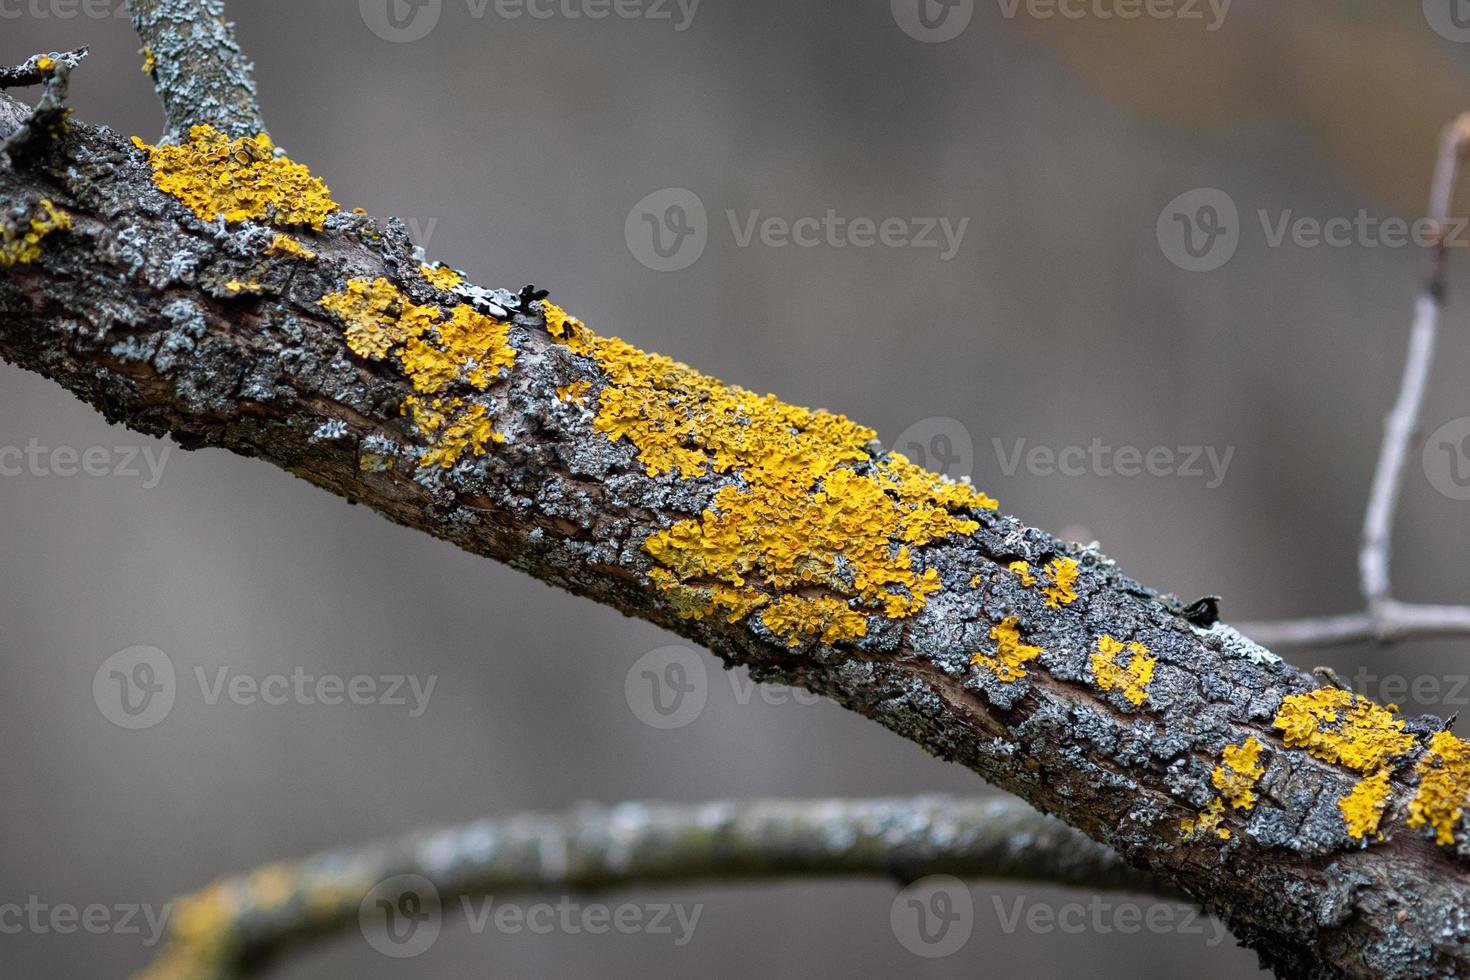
<point>1194,753</point>
<point>239,923</point>
<point>197,67</point>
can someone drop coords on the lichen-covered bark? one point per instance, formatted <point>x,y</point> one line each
<point>1298,817</point>
<point>197,67</point>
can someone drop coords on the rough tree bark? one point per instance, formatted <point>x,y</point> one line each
<point>288,334</point>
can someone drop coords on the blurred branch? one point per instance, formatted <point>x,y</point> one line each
<point>1384,618</point>
<point>39,68</point>
<point>237,924</point>
<point>197,67</point>
<point>48,119</point>
<point>1390,621</point>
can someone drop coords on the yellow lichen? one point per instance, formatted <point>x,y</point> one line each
<point>150,61</point>
<point>285,245</point>
<point>1208,822</point>
<point>1444,785</point>
<point>1024,571</point>
<point>1238,772</point>
<point>1063,575</point>
<point>1131,679</point>
<point>436,353</point>
<point>441,277</point>
<point>45,63</point>
<point>21,244</point>
<point>238,180</point>
<point>575,393</point>
<point>1363,807</point>
<point>797,617</point>
<point>1338,726</point>
<point>456,428</point>
<point>378,315</point>
<point>816,523</point>
<point>236,286</point>
<point>1234,778</point>
<point>566,329</point>
<point>1010,652</point>
<point>1341,727</point>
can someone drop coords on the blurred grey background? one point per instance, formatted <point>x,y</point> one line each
<point>515,148</point>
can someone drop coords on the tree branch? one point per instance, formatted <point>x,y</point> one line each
<point>37,69</point>
<point>239,923</point>
<point>1390,621</point>
<point>197,67</point>
<point>45,122</point>
<point>1386,619</point>
<point>208,293</point>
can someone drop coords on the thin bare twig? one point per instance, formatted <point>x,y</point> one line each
<point>238,923</point>
<point>1384,618</point>
<point>1390,621</point>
